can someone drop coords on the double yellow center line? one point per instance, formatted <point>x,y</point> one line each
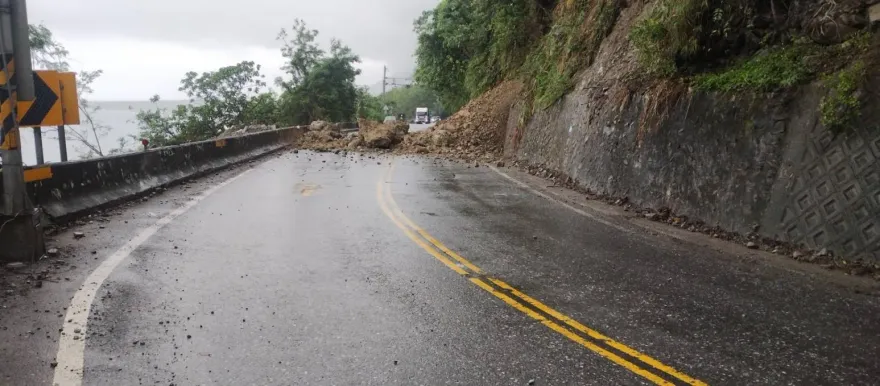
<point>641,364</point>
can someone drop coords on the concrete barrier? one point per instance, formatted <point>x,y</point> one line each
<point>65,190</point>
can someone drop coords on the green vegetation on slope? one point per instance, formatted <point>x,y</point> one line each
<point>574,38</point>
<point>783,65</point>
<point>768,70</point>
<point>737,45</point>
<point>842,106</point>
<point>468,46</point>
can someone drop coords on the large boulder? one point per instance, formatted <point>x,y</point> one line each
<point>355,142</point>
<point>320,126</point>
<point>382,135</point>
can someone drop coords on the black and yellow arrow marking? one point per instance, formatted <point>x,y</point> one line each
<point>45,109</point>
<point>9,138</point>
<point>8,66</point>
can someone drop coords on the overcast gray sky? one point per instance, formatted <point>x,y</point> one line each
<point>145,46</point>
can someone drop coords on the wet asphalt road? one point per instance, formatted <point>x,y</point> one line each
<point>295,274</point>
<point>413,127</point>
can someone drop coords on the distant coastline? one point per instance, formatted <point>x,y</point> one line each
<point>119,116</point>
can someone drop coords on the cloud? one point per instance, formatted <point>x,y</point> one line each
<point>138,69</point>
<point>148,45</point>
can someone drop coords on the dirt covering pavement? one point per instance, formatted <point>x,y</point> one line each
<point>476,132</point>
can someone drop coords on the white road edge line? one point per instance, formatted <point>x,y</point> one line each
<point>71,344</point>
<point>560,202</point>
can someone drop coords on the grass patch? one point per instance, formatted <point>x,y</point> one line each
<point>551,84</point>
<point>773,68</point>
<point>783,66</point>
<point>841,107</point>
<point>667,33</point>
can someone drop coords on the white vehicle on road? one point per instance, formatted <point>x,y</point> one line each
<point>422,115</point>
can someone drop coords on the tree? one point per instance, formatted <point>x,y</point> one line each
<point>319,86</point>
<point>45,51</point>
<point>405,100</point>
<point>301,53</point>
<point>369,106</point>
<point>48,53</point>
<point>262,109</point>
<point>90,130</point>
<point>440,62</point>
<point>219,100</point>
<point>466,47</point>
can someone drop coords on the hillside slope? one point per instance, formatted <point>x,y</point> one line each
<point>765,125</point>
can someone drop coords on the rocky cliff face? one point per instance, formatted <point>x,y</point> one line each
<point>743,160</point>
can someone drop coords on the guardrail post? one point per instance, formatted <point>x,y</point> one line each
<point>38,144</point>
<point>62,143</point>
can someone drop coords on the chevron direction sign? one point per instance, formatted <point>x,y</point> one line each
<point>45,109</point>
<point>55,102</point>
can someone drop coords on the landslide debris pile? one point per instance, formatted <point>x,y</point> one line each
<point>323,136</point>
<point>474,132</point>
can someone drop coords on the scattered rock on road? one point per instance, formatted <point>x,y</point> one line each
<point>78,235</point>
<point>475,132</point>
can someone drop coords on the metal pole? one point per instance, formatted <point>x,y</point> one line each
<point>22,49</point>
<point>22,234</point>
<point>62,143</point>
<point>384,78</point>
<point>38,144</point>
<point>14,202</point>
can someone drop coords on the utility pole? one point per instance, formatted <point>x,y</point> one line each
<point>384,78</point>
<point>21,235</point>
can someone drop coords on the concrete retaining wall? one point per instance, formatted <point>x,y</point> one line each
<point>737,162</point>
<point>76,187</point>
